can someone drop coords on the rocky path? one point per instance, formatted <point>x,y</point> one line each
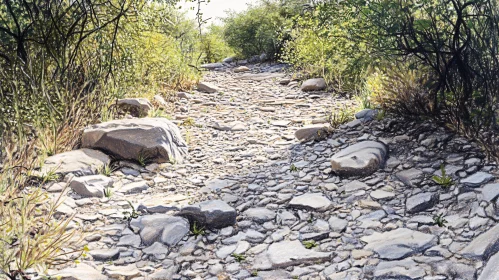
<point>250,201</point>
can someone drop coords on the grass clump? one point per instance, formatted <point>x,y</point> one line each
<point>196,230</point>
<point>444,180</point>
<point>309,244</point>
<point>239,257</point>
<point>439,220</point>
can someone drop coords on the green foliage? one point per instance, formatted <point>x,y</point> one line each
<point>439,220</point>
<point>108,192</point>
<point>444,180</point>
<point>143,158</point>
<point>339,117</point>
<point>196,230</point>
<point>309,244</point>
<point>213,46</point>
<point>130,215</point>
<point>293,168</point>
<point>107,170</point>
<point>239,257</point>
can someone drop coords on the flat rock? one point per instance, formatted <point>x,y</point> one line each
<point>213,214</point>
<point>382,195</point>
<point>403,269</point>
<point>134,187</point>
<point>477,179</point>
<point>363,158</point>
<point>241,69</point>
<point>153,139</point>
<point>483,246</point>
<point>105,254</point>
<point>490,192</point>
<point>260,214</point>
<point>80,272</point>
<point>207,87</point>
<point>311,201</point>
<point>410,177</point>
<point>491,270</point>
<point>399,243</point>
<point>211,66</point>
<point>79,162</point>
<point>313,84</point>
<point>91,186</point>
<point>313,132</point>
<point>292,253</point>
<point>127,272</point>
<point>259,76</point>
<point>421,202</point>
<point>231,126</point>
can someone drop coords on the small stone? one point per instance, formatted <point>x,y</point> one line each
<point>477,179</point>
<point>421,202</point>
<point>311,201</point>
<point>91,186</point>
<point>213,214</point>
<point>260,215</point>
<point>314,84</point>
<point>490,192</point>
<point>207,87</point>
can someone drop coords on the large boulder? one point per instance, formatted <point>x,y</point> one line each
<point>363,158</point>
<point>138,107</point>
<point>314,84</point>
<point>213,214</point>
<point>79,162</point>
<point>155,139</point>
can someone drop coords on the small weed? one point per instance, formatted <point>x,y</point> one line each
<point>293,168</point>
<point>311,219</point>
<point>239,257</point>
<point>196,231</point>
<point>339,117</point>
<point>158,113</point>
<point>444,180</point>
<point>49,176</point>
<point>439,220</point>
<point>130,215</point>
<point>108,192</point>
<point>143,158</point>
<point>107,170</point>
<point>254,273</point>
<point>188,137</point>
<point>380,115</point>
<point>189,122</point>
<point>309,244</point>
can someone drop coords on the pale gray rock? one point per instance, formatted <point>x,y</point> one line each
<point>313,84</point>
<point>477,179</point>
<point>363,158</point>
<point>79,162</point>
<point>157,250</point>
<point>138,107</point>
<point>231,126</point>
<point>337,224</point>
<point>411,177</point>
<point>241,69</point>
<point>483,246</point>
<point>91,186</point>
<point>163,273</point>
<point>382,195</point>
<point>311,201</point>
<point>126,272</point>
<point>421,202</point>
<point>491,270</point>
<point>207,87</point>
<point>399,243</point>
<point>104,255</point>
<point>259,76</point>
<point>403,269</point>
<point>260,214</point>
<point>81,271</point>
<point>213,214</point>
<point>290,253</point>
<point>154,139</point>
<point>354,186</point>
<point>134,187</point>
<point>161,228</point>
<point>490,192</point>
<point>212,66</point>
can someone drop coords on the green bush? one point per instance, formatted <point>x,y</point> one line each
<point>213,46</point>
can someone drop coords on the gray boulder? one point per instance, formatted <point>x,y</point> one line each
<point>314,84</point>
<point>213,214</point>
<point>138,107</point>
<point>363,158</point>
<point>79,162</point>
<point>91,186</point>
<point>154,139</point>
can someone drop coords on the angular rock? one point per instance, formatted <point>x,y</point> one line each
<point>382,195</point>
<point>207,87</point>
<point>311,201</point>
<point>483,246</point>
<point>410,177</point>
<point>421,202</point>
<point>291,253</point>
<point>313,132</point>
<point>152,139</point>
<point>134,187</point>
<point>490,192</point>
<point>491,270</point>
<point>105,254</point>
<point>477,179</point>
<point>91,186</point>
<point>399,243</point>
<point>363,158</point>
<point>79,162</point>
<point>313,84</point>
<point>404,269</point>
<point>232,126</point>
<point>138,107</point>
<point>354,186</point>
<point>127,272</point>
<point>213,214</point>
<point>337,224</point>
<point>161,228</point>
<point>366,114</point>
<point>260,215</point>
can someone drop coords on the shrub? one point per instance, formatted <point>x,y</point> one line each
<point>213,46</point>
